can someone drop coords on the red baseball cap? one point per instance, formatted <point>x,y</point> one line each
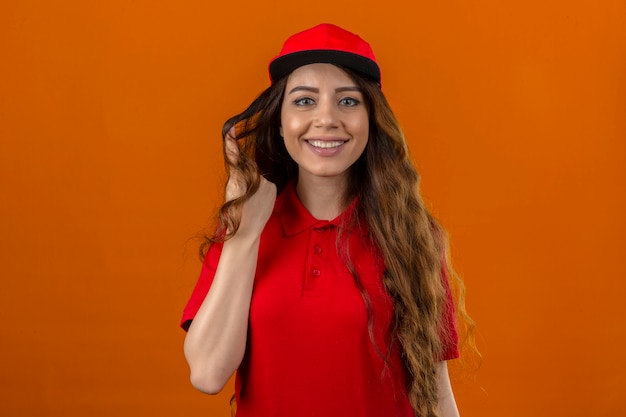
<point>325,43</point>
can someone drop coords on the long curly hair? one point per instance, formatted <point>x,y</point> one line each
<point>410,240</point>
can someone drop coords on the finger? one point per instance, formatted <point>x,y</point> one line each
<point>232,149</point>
<point>232,133</point>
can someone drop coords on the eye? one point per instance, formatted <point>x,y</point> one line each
<point>303,101</point>
<point>349,102</point>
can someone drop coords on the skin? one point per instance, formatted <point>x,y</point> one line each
<point>325,129</point>
<point>447,404</point>
<point>216,340</point>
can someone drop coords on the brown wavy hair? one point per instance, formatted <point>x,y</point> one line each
<point>413,244</point>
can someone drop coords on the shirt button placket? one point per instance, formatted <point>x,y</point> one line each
<point>317,250</point>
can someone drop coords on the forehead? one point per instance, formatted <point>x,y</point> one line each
<point>318,74</point>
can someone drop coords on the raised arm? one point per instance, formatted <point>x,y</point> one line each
<point>216,339</point>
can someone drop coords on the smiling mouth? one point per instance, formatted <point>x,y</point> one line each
<point>326,144</point>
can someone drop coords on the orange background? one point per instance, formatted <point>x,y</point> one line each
<point>110,161</point>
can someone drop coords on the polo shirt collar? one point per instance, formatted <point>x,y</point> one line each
<point>295,218</point>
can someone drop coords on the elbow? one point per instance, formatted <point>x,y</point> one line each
<point>208,382</point>
<point>210,371</point>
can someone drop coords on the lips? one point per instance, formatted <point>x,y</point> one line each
<point>325,144</point>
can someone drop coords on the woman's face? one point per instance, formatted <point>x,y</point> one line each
<point>324,121</point>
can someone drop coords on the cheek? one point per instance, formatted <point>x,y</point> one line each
<point>292,126</point>
<point>360,127</point>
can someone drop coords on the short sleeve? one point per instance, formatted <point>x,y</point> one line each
<point>449,330</point>
<point>209,266</point>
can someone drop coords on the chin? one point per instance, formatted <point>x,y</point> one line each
<point>328,173</point>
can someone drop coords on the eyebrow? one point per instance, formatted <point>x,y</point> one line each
<point>317,90</point>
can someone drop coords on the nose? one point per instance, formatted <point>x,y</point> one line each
<point>326,114</point>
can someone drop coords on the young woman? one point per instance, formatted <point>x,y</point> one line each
<point>325,285</point>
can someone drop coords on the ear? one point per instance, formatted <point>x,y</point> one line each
<point>281,131</point>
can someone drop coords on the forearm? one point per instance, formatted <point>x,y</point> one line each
<point>216,340</point>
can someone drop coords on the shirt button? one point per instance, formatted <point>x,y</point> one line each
<point>317,272</point>
<point>317,249</point>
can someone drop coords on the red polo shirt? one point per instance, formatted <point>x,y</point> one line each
<point>309,351</point>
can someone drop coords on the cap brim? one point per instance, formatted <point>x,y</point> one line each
<point>284,65</point>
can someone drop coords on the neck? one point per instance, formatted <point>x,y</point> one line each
<point>322,196</point>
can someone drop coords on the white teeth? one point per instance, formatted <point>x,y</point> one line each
<point>326,143</point>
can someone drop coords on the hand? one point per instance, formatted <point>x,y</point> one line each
<point>258,208</point>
